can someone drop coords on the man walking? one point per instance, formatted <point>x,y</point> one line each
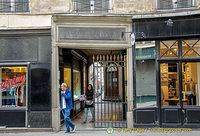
<point>65,106</point>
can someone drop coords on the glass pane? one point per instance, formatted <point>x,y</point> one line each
<point>21,5</point>
<point>191,82</point>
<point>77,84</point>
<point>5,6</point>
<point>168,49</point>
<point>67,77</point>
<point>169,84</point>
<point>185,3</point>
<point>83,5</point>
<point>12,87</point>
<point>145,74</point>
<point>191,48</point>
<point>165,4</point>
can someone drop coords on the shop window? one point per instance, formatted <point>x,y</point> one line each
<point>67,77</point>
<point>145,74</point>
<point>91,6</point>
<point>169,84</point>
<point>191,82</point>
<point>14,5</point>
<point>76,84</point>
<point>12,87</point>
<point>168,49</point>
<point>191,48</point>
<point>175,4</point>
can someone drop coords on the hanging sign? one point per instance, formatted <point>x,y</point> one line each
<point>132,39</point>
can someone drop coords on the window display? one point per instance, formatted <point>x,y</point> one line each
<point>169,84</point>
<point>67,77</point>
<point>191,82</point>
<point>77,84</point>
<point>12,87</point>
<point>169,72</point>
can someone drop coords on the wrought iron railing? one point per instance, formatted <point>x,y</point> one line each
<point>175,4</point>
<point>91,6</point>
<point>14,5</point>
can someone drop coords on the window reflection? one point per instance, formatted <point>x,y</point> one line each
<point>76,84</point>
<point>145,74</point>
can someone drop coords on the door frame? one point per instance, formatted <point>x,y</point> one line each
<point>113,23</point>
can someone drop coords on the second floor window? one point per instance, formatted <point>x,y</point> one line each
<point>175,4</point>
<point>92,6</point>
<point>14,5</point>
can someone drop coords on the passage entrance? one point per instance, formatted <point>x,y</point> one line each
<point>109,79</point>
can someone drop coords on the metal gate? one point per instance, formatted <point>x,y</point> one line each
<point>109,82</point>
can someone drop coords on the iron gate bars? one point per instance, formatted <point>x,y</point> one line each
<point>110,90</point>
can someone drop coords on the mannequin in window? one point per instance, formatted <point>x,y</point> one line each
<point>190,91</point>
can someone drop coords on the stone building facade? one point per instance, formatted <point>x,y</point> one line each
<point>40,19</point>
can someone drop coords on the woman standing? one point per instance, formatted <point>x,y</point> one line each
<point>89,103</point>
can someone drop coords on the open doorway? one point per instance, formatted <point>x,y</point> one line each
<point>106,70</point>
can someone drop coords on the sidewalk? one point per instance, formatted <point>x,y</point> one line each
<point>77,120</point>
<point>103,133</point>
<point>89,130</point>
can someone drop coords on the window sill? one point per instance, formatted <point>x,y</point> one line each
<point>177,9</point>
<point>13,109</point>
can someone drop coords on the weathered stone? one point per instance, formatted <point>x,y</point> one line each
<point>50,6</point>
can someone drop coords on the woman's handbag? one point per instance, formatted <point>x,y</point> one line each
<point>89,102</point>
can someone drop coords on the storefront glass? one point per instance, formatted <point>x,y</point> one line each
<point>191,82</point>
<point>12,87</point>
<point>169,84</point>
<point>145,74</point>
<point>191,48</point>
<point>169,74</point>
<point>67,77</point>
<point>76,84</point>
<point>168,49</point>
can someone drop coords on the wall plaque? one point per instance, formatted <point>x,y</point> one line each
<point>88,33</point>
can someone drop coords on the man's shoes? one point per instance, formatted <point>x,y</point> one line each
<point>73,129</point>
<point>67,132</point>
<point>91,121</point>
<point>83,122</point>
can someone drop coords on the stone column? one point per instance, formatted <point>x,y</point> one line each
<point>55,89</point>
<point>130,88</point>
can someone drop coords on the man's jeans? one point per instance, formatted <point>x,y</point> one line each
<point>86,113</point>
<point>68,122</point>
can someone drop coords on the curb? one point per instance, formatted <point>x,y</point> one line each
<point>22,130</point>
